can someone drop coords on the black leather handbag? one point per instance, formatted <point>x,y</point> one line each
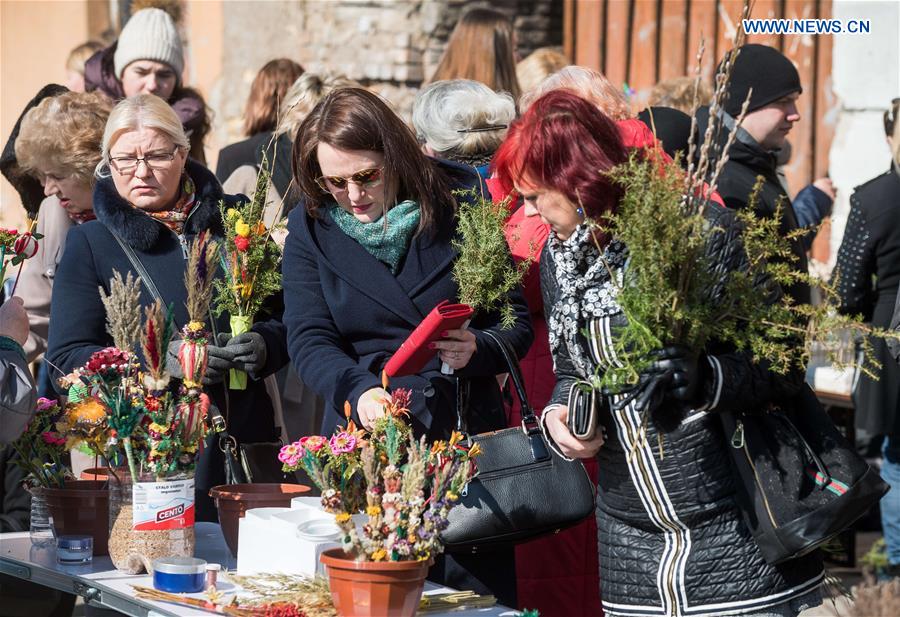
<point>522,489</point>
<point>247,463</point>
<point>800,482</point>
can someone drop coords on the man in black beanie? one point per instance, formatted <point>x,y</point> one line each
<point>773,84</point>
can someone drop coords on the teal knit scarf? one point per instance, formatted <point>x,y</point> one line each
<point>386,245</point>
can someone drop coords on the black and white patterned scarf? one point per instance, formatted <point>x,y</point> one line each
<point>586,290</point>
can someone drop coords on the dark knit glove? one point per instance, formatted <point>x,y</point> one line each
<point>248,351</point>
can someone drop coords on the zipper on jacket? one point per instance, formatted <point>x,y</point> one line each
<point>739,443</point>
<point>184,246</point>
<point>181,239</point>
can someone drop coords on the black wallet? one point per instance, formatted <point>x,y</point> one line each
<point>584,408</point>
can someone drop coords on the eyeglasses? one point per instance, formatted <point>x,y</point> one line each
<point>366,178</point>
<point>155,160</point>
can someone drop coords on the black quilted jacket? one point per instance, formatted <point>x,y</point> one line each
<point>671,539</point>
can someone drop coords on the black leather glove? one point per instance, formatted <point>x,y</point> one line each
<point>248,350</point>
<point>670,387</point>
<point>685,369</point>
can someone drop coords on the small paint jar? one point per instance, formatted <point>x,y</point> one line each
<point>212,574</point>
<point>74,550</point>
<point>179,574</point>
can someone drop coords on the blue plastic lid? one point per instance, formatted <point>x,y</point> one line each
<point>75,542</point>
<point>179,565</point>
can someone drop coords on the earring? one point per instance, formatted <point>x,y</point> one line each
<point>580,212</point>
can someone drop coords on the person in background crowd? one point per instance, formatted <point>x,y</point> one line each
<point>75,64</point>
<point>589,84</point>
<point>148,59</point>
<point>813,203</point>
<point>771,114</point>
<point>867,274</point>
<point>482,47</point>
<point>538,66</point>
<point>462,120</point>
<point>672,128</point>
<point>367,257</point>
<point>29,188</point>
<point>152,200</point>
<point>678,93</point>
<point>59,145</point>
<point>261,115</point>
<point>299,100</point>
<point>18,393</point>
<point>696,552</point>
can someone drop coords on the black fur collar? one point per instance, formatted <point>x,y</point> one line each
<point>139,230</point>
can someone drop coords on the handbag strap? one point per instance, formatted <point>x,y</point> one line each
<point>139,267</point>
<point>515,372</point>
<point>530,424</point>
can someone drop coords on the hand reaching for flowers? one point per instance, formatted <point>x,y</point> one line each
<point>370,406</point>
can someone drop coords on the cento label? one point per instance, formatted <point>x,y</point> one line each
<point>163,505</point>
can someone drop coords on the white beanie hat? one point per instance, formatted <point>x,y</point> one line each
<point>150,34</point>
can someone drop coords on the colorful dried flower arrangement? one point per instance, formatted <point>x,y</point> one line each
<point>250,261</point>
<point>118,403</point>
<point>41,448</point>
<point>404,487</point>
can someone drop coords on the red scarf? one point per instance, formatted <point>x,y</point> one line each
<point>175,217</point>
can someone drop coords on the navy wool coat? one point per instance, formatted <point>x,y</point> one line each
<point>346,314</point>
<point>78,318</point>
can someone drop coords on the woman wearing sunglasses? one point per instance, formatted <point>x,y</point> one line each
<point>151,202</point>
<point>366,259</point>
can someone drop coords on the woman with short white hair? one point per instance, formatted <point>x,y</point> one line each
<point>462,120</point>
<point>151,201</point>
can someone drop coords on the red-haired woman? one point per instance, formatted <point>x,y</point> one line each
<point>671,539</point>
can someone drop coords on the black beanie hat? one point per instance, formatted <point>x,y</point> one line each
<point>767,71</point>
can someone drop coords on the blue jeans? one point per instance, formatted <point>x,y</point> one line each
<point>890,503</point>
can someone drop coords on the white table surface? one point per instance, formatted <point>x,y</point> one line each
<point>102,585</point>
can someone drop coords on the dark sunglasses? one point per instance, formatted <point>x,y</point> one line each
<point>366,178</point>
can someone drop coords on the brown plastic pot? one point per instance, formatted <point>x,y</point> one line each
<point>233,501</point>
<point>363,588</point>
<point>81,508</point>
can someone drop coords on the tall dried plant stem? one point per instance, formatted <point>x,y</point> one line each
<point>123,314</point>
<point>697,190</point>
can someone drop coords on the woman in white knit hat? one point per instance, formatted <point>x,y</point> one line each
<point>148,59</point>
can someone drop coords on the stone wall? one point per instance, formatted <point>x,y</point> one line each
<point>391,46</point>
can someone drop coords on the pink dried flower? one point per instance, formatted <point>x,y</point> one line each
<point>45,404</point>
<point>313,443</point>
<point>342,442</point>
<point>291,453</point>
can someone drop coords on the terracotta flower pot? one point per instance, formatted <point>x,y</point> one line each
<point>94,473</point>
<point>82,507</point>
<point>233,500</point>
<point>362,588</point>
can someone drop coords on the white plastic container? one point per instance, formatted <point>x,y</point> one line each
<point>287,540</point>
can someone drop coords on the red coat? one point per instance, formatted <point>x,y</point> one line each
<point>559,574</point>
